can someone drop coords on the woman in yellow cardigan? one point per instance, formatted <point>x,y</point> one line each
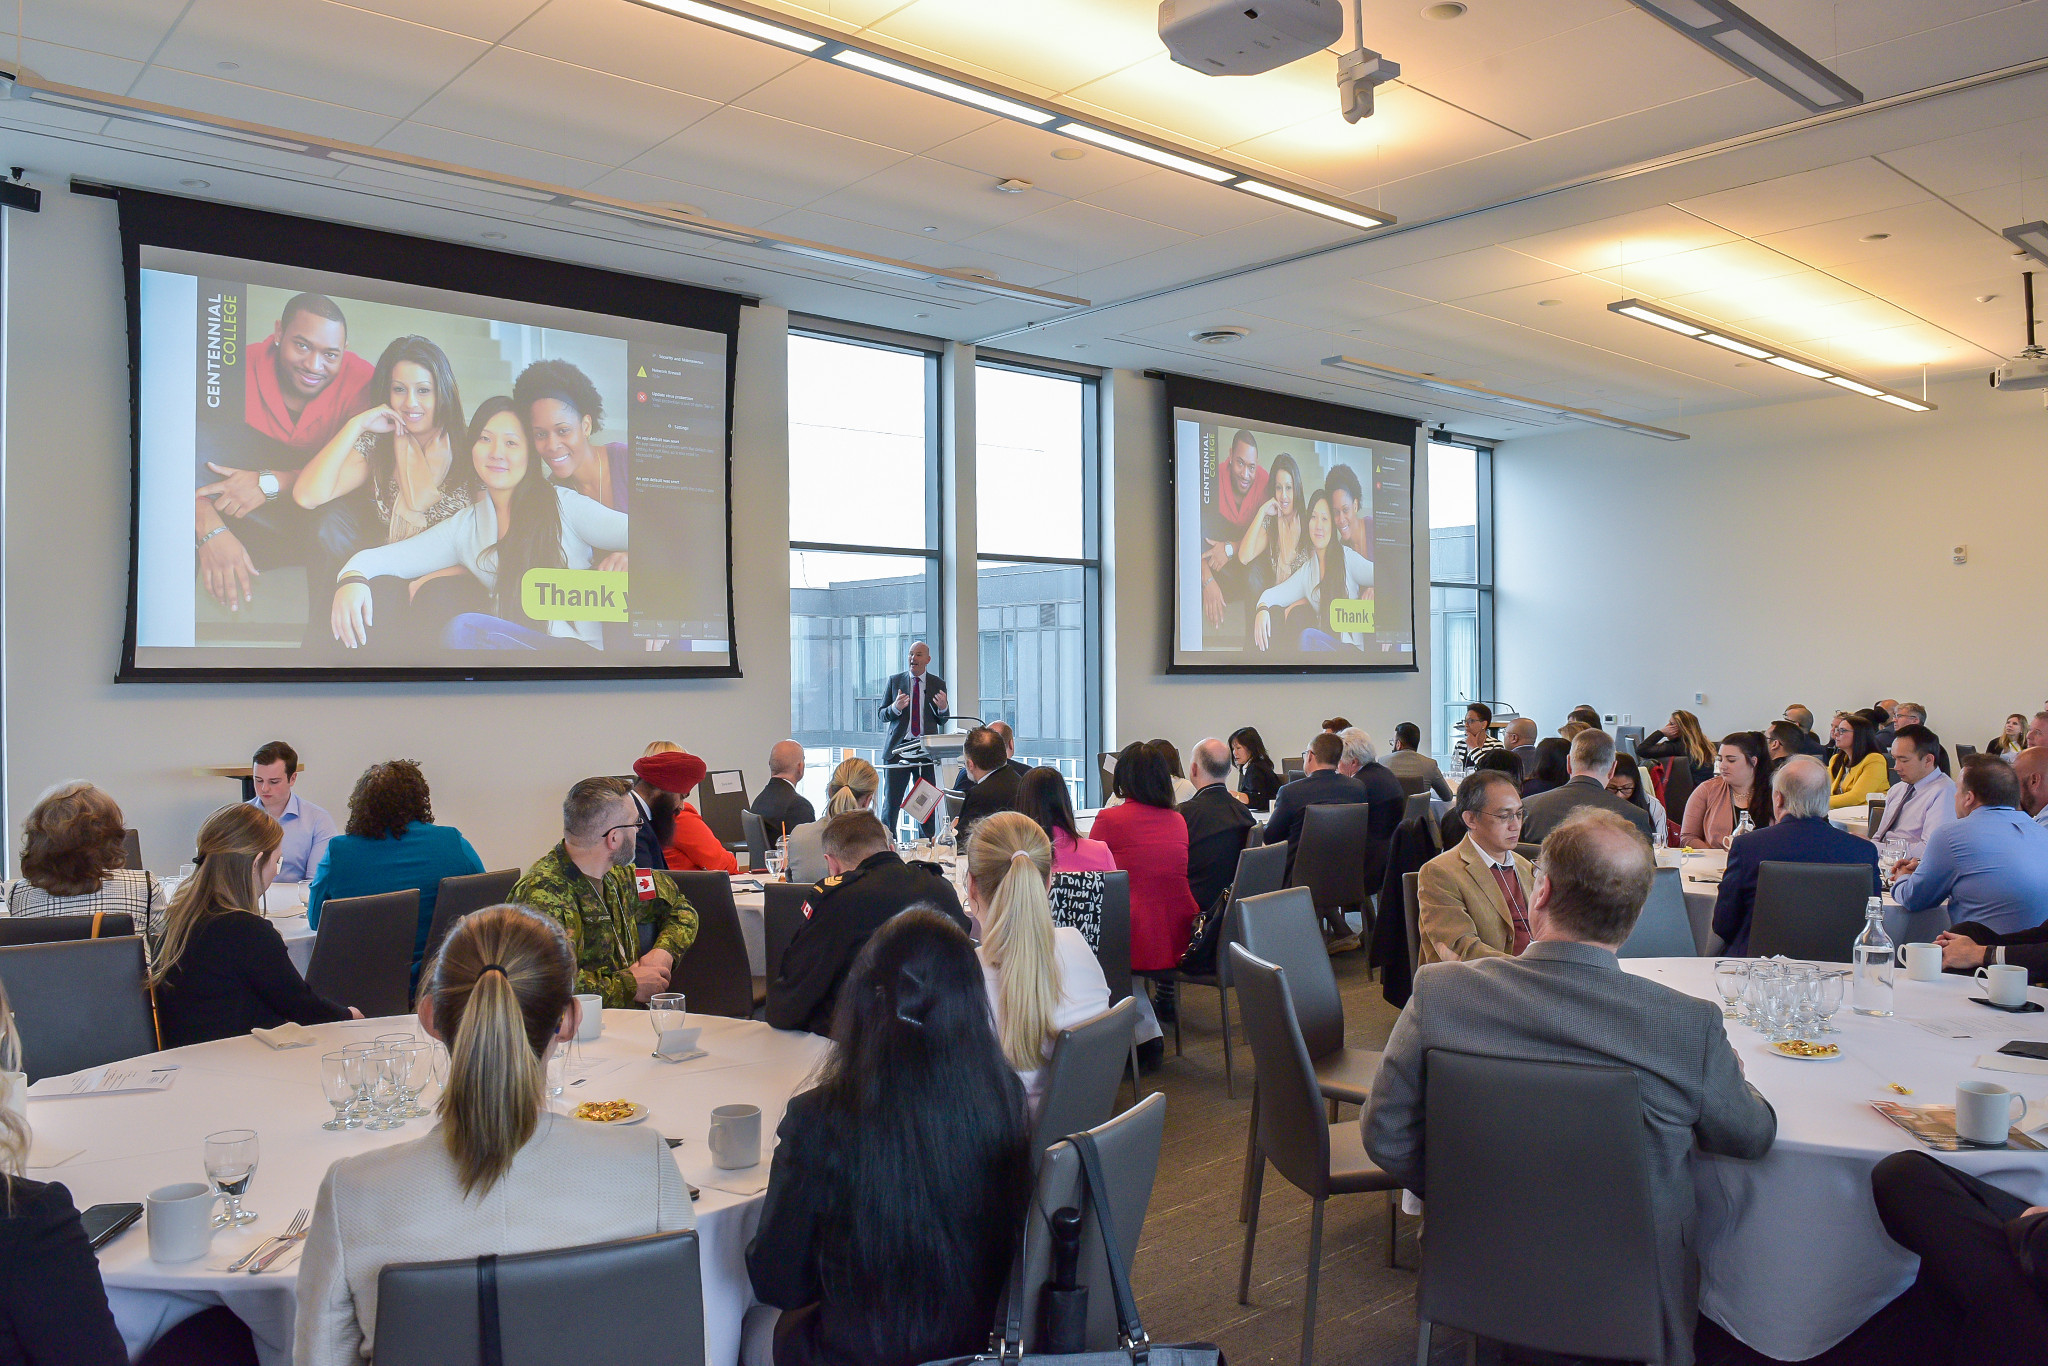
<point>1856,770</point>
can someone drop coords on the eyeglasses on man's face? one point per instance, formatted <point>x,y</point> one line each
<point>634,826</point>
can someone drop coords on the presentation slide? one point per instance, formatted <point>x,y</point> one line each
<point>1292,546</point>
<point>340,472</point>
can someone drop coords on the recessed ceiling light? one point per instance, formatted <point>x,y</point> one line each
<point>1069,153</point>
<point>227,66</point>
<point>1013,185</point>
<point>1080,346</point>
<point>194,184</point>
<point>929,227</point>
<point>1981,298</point>
<point>1874,237</point>
<point>734,279</point>
<point>1449,9</point>
<point>924,315</point>
<point>492,236</point>
<point>1548,303</point>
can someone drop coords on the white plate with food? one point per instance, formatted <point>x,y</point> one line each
<point>1805,1050</point>
<point>609,1112</point>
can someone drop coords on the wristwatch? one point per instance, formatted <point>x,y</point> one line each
<point>267,481</point>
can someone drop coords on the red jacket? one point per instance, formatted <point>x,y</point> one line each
<point>694,847</point>
<point>1151,844</point>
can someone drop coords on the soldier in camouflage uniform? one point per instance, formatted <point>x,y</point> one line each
<point>603,910</point>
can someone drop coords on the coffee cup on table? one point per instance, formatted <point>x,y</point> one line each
<point>736,1136</point>
<point>2004,983</point>
<point>180,1221</point>
<point>1984,1111</point>
<point>592,1025</point>
<point>1923,962</point>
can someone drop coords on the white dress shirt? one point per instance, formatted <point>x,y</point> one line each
<point>1914,811</point>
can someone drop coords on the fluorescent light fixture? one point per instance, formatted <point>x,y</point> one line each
<point>1737,38</point>
<point>1354,217</point>
<point>1699,330</point>
<point>937,85</point>
<point>740,23</point>
<point>1144,152</point>
<point>2031,238</point>
<point>1451,386</point>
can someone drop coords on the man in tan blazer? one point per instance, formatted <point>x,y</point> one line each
<point>1472,900</point>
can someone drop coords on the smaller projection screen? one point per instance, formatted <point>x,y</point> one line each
<point>1293,544</point>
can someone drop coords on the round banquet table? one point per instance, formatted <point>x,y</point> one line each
<point>132,1144</point>
<point>1792,1255</point>
<point>1700,873</point>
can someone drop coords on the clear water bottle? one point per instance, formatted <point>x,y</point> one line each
<point>1743,823</point>
<point>1875,957</point>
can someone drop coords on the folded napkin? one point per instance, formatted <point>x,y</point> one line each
<point>690,1056</point>
<point>2006,1062</point>
<point>746,1181</point>
<point>290,1034</point>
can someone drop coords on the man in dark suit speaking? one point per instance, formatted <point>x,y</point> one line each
<point>913,704</point>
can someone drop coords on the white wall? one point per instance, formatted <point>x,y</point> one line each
<point>1798,552</point>
<point>499,756</point>
<point>1146,701</point>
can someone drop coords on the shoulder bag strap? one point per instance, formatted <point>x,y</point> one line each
<point>490,1345</point>
<point>1133,1331</point>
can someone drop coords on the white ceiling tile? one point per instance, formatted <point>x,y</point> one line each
<point>120,28</point>
<point>1429,49</point>
<point>1895,354</point>
<point>1796,201</point>
<point>843,14</point>
<point>1767,303</point>
<point>950,256</point>
<point>1467,272</point>
<point>1628,238</point>
<point>918,193</point>
<point>1078,237</point>
<point>1408,133</point>
<point>1832,320</point>
<point>78,66</point>
<point>1915,228</point>
<point>1856,25</point>
<point>1005,149</point>
<point>253,104</point>
<point>2003,37</point>
<point>1976,160</point>
<point>572,111</point>
<point>1340,305</point>
<point>748,153</point>
<point>2005,206</point>
<point>1687,272</point>
<point>863,106</point>
<point>488,154</point>
<point>649,45</point>
<point>1053,45</point>
<point>1214,111</point>
<point>641,188</point>
<point>486,19</point>
<point>839,231</point>
<point>320,50</point>
<point>432,191</point>
<point>1183,202</point>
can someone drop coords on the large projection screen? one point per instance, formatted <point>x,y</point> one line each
<point>365,456</point>
<point>1293,533</point>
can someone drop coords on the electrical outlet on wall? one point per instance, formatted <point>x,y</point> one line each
<point>1699,698</point>
<point>1960,555</point>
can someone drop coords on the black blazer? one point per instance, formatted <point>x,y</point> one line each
<point>646,844</point>
<point>1218,825</point>
<point>235,976</point>
<point>1311,789</point>
<point>996,792</point>
<point>53,1309</point>
<point>898,722</point>
<point>1389,801</point>
<point>1260,783</point>
<point>838,918</point>
<point>781,808</point>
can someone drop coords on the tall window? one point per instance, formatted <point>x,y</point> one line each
<point>1460,583</point>
<point>863,538</point>
<point>1038,570</point>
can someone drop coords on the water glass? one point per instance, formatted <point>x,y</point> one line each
<point>665,1012</point>
<point>231,1166</point>
<point>1888,855</point>
<point>414,1063</point>
<point>341,1080</point>
<point>381,1075</point>
<point>1731,979</point>
<point>778,858</point>
<point>558,1067</point>
<point>1829,988</point>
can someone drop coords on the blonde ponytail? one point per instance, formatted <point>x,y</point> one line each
<point>1010,860</point>
<point>853,787</point>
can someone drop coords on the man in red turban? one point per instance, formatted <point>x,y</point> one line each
<point>675,836</point>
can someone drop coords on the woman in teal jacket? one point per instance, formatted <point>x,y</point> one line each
<point>391,844</point>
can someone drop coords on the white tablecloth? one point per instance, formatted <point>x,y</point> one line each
<point>134,1144</point>
<point>1792,1255</point>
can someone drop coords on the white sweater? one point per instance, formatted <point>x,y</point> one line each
<point>1083,994</point>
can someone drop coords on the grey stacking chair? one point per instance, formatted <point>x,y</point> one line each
<point>1540,1227</point>
<point>1417,808</point>
<point>1330,860</point>
<point>362,952</point>
<point>131,849</point>
<point>782,915</point>
<point>78,1003</point>
<point>714,976</point>
<point>458,896</point>
<point>1084,1075</point>
<point>1113,953</point>
<point>1529,851</point>
<point>52,929</point>
<point>756,841</point>
<point>1320,1158</point>
<point>1411,908</point>
<point>1808,910</point>
<point>429,1313</point>
<point>1280,927</point>
<point>1664,929</point>
<point>1260,869</point>
<point>721,810</point>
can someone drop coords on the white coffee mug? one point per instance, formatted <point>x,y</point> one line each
<point>736,1136</point>
<point>1923,962</point>
<point>2004,983</point>
<point>1985,1110</point>
<point>593,1018</point>
<point>180,1221</point>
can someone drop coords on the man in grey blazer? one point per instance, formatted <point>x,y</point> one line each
<point>1566,999</point>
<point>1592,764</point>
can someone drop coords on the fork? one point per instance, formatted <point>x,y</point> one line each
<point>293,1230</point>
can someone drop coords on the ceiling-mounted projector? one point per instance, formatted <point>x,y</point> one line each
<point>1245,37</point>
<point>2028,370</point>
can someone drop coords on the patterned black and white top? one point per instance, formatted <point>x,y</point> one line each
<point>1077,903</point>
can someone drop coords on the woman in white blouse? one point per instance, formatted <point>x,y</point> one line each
<point>1041,978</point>
<point>522,522</point>
<point>500,1173</point>
<point>1332,570</point>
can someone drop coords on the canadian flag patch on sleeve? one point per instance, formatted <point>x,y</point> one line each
<point>644,881</point>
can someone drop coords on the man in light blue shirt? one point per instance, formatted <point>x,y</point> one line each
<point>1990,864</point>
<point>307,828</point>
<point>1924,798</point>
<point>2031,768</point>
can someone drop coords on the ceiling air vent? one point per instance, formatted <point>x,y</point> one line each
<point>1219,336</point>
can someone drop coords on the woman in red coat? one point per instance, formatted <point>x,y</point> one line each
<point>1149,838</point>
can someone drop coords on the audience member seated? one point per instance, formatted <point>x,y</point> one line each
<point>1741,784</point>
<point>1149,840</point>
<point>1549,764</point>
<point>1320,784</point>
<point>1982,1291</point>
<point>1856,769</point>
<point>1586,714</point>
<point>1257,782</point>
<point>867,885</point>
<point>1472,900</point>
<point>274,773</point>
<point>1969,946</point>
<point>586,884</point>
<point>1566,999</point>
<point>222,969</point>
<point>2031,767</point>
<point>1802,717</point>
<point>1041,978</point>
<point>1990,863</point>
<point>2037,731</point>
<point>1680,738</point>
<point>779,805</point>
<point>684,843</point>
<point>1451,825</point>
<point>391,844</point>
<point>1476,739</point>
<point>1592,764</point>
<point>854,786</point>
<point>1383,791</point>
<point>1182,788</point>
<point>1626,782</point>
<point>1416,770</point>
<point>500,1173</point>
<point>1336,725</point>
<point>1785,741</point>
<point>1044,798</point>
<point>1924,798</point>
<point>52,1304</point>
<point>962,783</point>
<point>994,789</point>
<point>1218,826</point>
<point>1519,739</point>
<point>73,862</point>
<point>2012,739</point>
<point>918,1101</point>
<point>1799,832</point>
<point>1881,722</point>
<point>1908,714</point>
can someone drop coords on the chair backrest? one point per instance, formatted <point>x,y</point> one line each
<point>362,954</point>
<point>78,1003</point>
<point>721,810</point>
<point>1628,735</point>
<point>1874,814</point>
<point>782,915</point>
<point>427,1311</point>
<point>131,849</point>
<point>1087,1067</point>
<point>1113,945</point>
<point>714,975</point>
<point>458,896</point>
<point>1528,850</point>
<point>1330,861</point>
<point>1292,774</point>
<point>1293,1129</point>
<point>1281,927</point>
<point>1808,910</point>
<point>1261,869</point>
<point>52,929</point>
<point>1664,929</point>
<point>1677,785</point>
<point>1540,1228</point>
<point>1417,807</point>
<point>1411,908</point>
<point>756,834</point>
<point>1964,751</point>
<point>1129,1147</point>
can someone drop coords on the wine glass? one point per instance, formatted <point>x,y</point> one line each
<point>1828,990</point>
<point>231,1166</point>
<point>381,1073</point>
<point>341,1080</point>
<point>665,1012</point>
<point>1731,978</point>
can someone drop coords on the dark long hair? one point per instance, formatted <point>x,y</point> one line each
<point>1553,761</point>
<point>534,540</point>
<point>1322,557</point>
<point>929,1168</point>
<point>1626,763</point>
<point>1752,744</point>
<point>1042,796</point>
<point>447,408</point>
<point>1141,776</point>
<point>1862,742</point>
<point>1284,464</point>
<point>1248,736</point>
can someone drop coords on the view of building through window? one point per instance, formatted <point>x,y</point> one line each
<point>1461,585</point>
